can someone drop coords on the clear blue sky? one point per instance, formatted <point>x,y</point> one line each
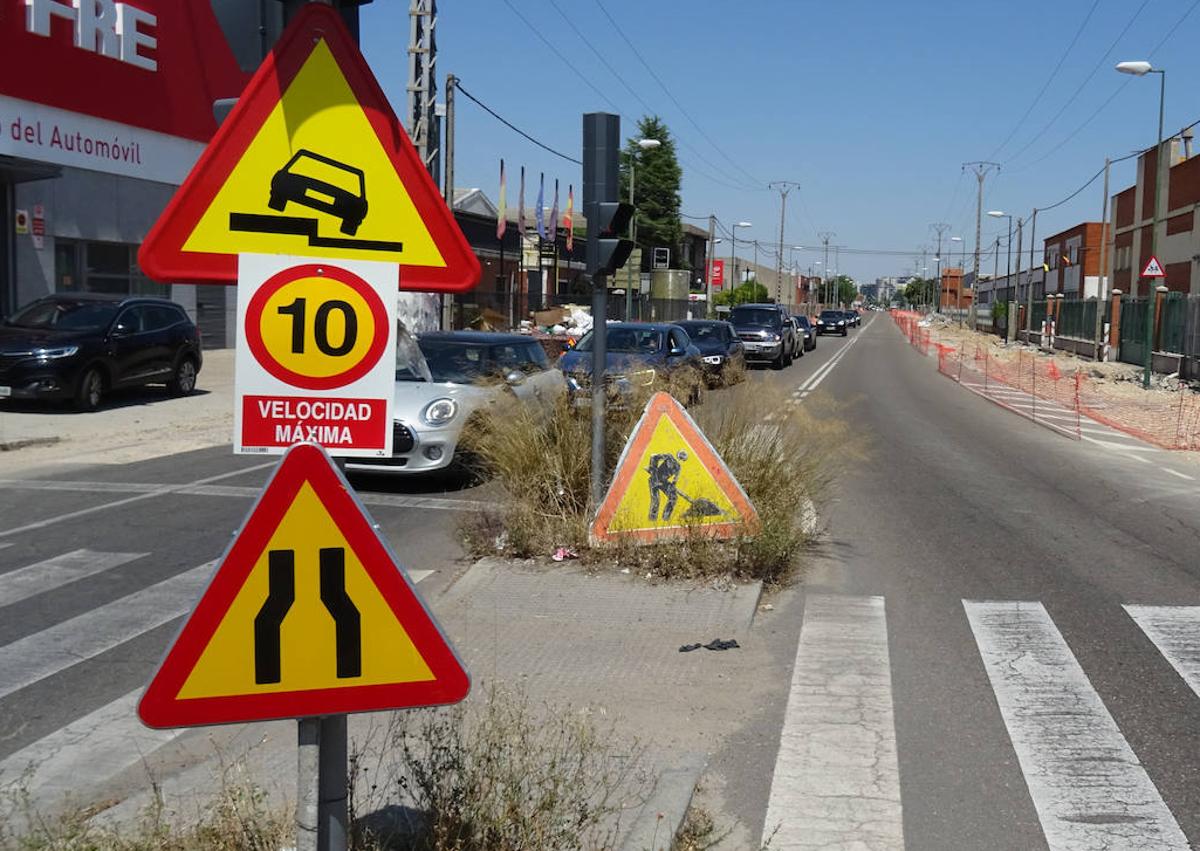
<point>871,106</point>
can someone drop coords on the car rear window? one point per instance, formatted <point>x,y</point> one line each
<point>66,315</point>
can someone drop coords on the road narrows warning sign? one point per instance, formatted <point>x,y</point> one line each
<point>670,483</point>
<point>308,614</point>
<point>312,161</point>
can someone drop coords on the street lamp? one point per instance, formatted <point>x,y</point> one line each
<point>645,145</point>
<point>1141,69</point>
<point>733,249</point>
<point>1000,214</point>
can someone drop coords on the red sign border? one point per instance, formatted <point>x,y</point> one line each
<point>160,706</point>
<point>162,255</point>
<point>282,278</point>
<point>1162,273</point>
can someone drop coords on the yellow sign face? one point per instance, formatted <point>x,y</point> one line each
<point>670,482</point>
<point>262,647</point>
<point>316,181</point>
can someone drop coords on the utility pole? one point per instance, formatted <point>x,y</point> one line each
<point>784,187</point>
<point>940,229</point>
<point>448,188</point>
<point>422,85</point>
<point>712,255</point>
<point>1029,289</point>
<point>825,236</point>
<point>980,168</point>
<point>1102,285</point>
<point>1017,288</point>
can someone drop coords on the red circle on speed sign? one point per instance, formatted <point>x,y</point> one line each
<point>316,326</point>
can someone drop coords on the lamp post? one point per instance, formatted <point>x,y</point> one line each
<point>645,145</point>
<point>1000,214</point>
<point>1141,69</point>
<point>733,249</point>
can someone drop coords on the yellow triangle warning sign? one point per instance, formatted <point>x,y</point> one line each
<point>307,614</point>
<point>311,162</point>
<point>670,482</point>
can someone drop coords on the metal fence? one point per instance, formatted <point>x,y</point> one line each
<point>1077,319</point>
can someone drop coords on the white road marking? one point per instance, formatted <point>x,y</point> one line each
<point>1175,631</point>
<point>93,748</point>
<point>837,780</point>
<point>43,654</point>
<point>1178,474</point>
<point>1124,447</point>
<point>1089,789</point>
<point>159,491</point>
<point>26,582</point>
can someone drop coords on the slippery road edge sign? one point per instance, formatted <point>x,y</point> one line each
<point>355,622</point>
<point>311,161</point>
<point>666,453</point>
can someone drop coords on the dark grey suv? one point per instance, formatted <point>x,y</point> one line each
<point>767,331</point>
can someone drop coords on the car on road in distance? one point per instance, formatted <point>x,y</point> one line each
<point>808,332</point>
<point>767,331</point>
<point>853,317</point>
<point>832,322</point>
<point>719,347</point>
<point>81,346</point>
<point>637,355</point>
<point>444,377</point>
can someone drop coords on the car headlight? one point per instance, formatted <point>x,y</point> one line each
<point>644,377</point>
<point>820,321</point>
<point>439,412</point>
<point>841,322</point>
<point>713,359</point>
<point>774,338</point>
<point>57,352</point>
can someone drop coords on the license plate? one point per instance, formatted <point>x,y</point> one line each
<point>5,392</point>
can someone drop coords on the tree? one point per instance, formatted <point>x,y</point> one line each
<point>751,292</point>
<point>847,290</point>
<point>920,291</point>
<point>656,177</point>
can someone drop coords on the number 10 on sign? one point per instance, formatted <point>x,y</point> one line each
<point>315,355</point>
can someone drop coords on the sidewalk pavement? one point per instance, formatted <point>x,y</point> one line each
<point>604,644</point>
<point>132,425</point>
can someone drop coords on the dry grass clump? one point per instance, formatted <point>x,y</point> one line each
<point>783,454</point>
<point>497,776</point>
<point>240,819</point>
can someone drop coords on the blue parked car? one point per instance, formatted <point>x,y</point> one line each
<point>637,355</point>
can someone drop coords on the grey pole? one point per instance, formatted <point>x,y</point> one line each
<point>633,237</point>
<point>712,255</point>
<point>308,783</point>
<point>1029,290</point>
<point>784,187</point>
<point>1020,226</point>
<point>1008,328</point>
<point>1161,167</point>
<point>1105,280</point>
<point>940,229</point>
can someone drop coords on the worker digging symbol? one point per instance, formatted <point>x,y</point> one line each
<point>322,184</point>
<point>664,470</point>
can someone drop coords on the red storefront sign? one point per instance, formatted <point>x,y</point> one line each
<point>717,274</point>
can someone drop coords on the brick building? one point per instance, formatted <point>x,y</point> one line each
<point>1178,237</point>
<point>1072,261</point>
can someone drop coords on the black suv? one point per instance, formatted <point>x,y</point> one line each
<point>832,322</point>
<point>767,331</point>
<point>79,346</point>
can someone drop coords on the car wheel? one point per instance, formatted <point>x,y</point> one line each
<point>277,202</point>
<point>183,381</point>
<point>90,390</point>
<point>778,362</point>
<point>845,332</point>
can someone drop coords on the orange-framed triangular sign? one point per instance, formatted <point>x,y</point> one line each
<point>313,162</point>
<point>308,614</point>
<point>671,483</point>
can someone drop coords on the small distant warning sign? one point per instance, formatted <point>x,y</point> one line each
<point>1153,269</point>
<point>308,614</point>
<point>670,482</point>
<point>311,161</point>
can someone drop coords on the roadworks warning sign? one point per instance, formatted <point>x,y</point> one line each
<point>670,483</point>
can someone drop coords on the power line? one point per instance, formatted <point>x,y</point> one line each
<point>1086,80</point>
<point>1058,66</point>
<point>458,85</point>
<point>668,93</point>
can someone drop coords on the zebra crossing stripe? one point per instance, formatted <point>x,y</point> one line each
<point>836,780</point>
<point>26,582</point>
<point>45,653</point>
<point>1175,631</point>
<point>1089,789</point>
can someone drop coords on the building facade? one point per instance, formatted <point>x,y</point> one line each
<point>1178,243</point>
<point>1072,262</point>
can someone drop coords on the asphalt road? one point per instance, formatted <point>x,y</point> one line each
<point>968,675</point>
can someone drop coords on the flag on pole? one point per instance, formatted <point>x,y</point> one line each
<point>502,214</point>
<point>554,214</point>
<point>567,219</point>
<point>539,213</point>
<point>521,206</point>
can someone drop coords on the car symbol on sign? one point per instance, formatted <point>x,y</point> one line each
<point>323,184</point>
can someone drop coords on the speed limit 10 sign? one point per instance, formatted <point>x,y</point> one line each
<point>315,356</point>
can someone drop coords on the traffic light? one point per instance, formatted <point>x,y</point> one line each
<point>614,247</point>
